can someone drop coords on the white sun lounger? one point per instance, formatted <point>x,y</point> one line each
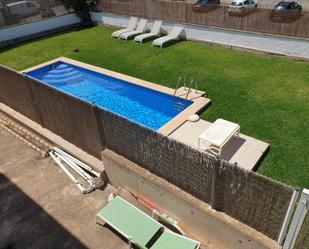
<point>218,134</point>
<point>174,35</point>
<point>139,30</point>
<point>130,27</point>
<point>155,32</point>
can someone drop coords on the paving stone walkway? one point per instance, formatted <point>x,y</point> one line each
<point>287,46</point>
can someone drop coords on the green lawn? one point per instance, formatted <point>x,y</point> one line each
<point>267,96</point>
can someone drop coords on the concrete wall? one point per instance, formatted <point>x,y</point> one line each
<point>215,229</point>
<point>26,31</point>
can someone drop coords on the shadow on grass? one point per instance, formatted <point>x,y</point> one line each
<point>170,43</point>
<point>258,164</point>
<point>24,224</point>
<point>149,41</point>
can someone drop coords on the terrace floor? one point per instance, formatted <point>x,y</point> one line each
<point>41,207</point>
<point>245,151</point>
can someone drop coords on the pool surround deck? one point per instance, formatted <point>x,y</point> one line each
<point>199,102</point>
<point>246,151</point>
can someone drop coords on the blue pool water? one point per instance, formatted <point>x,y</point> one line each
<point>142,105</point>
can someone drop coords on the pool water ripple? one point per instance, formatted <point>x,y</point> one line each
<point>139,104</point>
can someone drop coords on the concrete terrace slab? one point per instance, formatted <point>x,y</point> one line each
<point>245,151</point>
<point>41,207</point>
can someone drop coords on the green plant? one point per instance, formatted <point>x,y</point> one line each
<point>82,9</point>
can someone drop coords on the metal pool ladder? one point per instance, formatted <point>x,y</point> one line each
<point>184,85</point>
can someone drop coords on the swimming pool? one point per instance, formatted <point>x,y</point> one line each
<point>142,105</point>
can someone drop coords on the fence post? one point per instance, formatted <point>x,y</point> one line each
<point>288,215</point>
<point>144,9</point>
<point>34,102</point>
<point>298,219</point>
<point>110,6</point>
<point>214,183</point>
<point>100,125</point>
<point>187,7</point>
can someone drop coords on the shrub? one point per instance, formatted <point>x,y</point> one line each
<point>82,9</point>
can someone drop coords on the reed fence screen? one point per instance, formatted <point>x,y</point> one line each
<point>247,196</point>
<point>181,11</point>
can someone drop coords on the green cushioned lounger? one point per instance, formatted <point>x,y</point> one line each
<point>169,240</point>
<point>140,228</point>
<point>129,221</point>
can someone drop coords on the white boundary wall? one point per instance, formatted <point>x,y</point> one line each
<point>299,217</point>
<point>36,27</point>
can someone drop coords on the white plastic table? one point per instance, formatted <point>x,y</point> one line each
<point>218,134</point>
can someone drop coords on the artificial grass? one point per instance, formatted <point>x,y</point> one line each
<point>267,96</point>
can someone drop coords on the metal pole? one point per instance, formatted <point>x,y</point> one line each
<point>130,242</point>
<point>288,215</point>
<point>75,167</point>
<point>177,85</point>
<point>58,162</point>
<point>298,219</point>
<point>83,165</point>
<point>189,90</point>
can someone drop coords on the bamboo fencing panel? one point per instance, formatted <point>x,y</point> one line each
<point>247,196</point>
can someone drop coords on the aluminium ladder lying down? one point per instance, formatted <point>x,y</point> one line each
<point>91,176</point>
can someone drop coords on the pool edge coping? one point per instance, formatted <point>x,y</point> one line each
<point>198,102</point>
